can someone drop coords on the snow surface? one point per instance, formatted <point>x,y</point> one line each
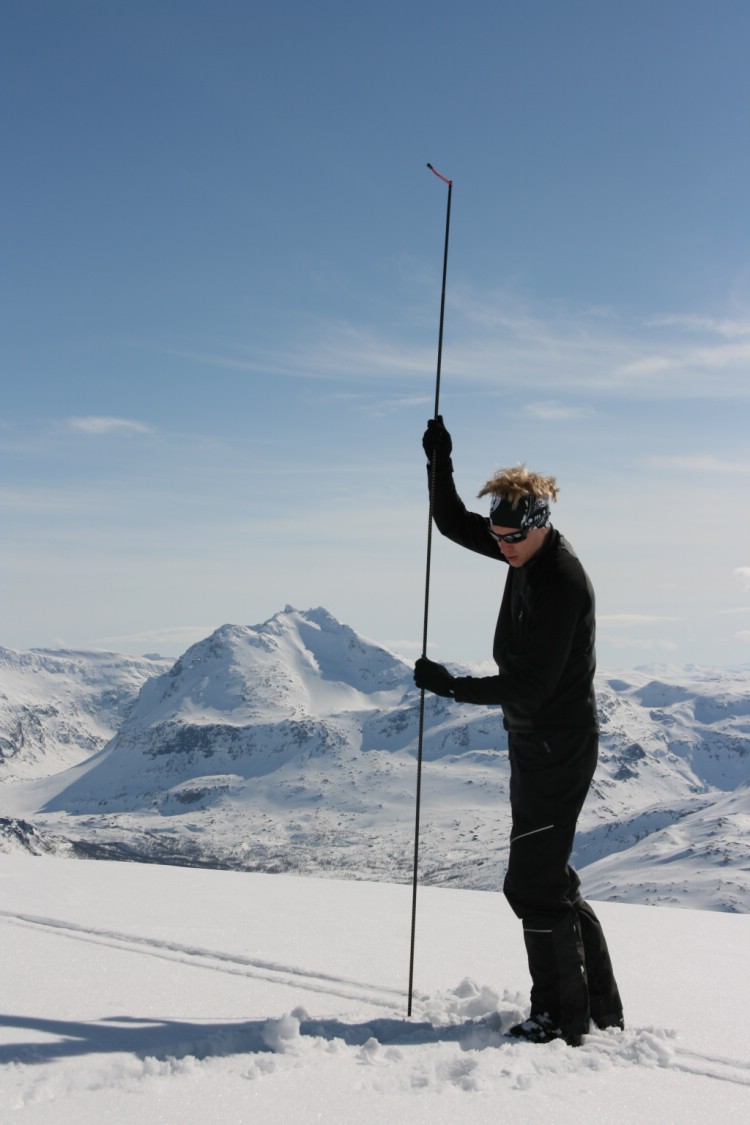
<point>137,993</point>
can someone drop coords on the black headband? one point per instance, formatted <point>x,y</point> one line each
<point>529,511</point>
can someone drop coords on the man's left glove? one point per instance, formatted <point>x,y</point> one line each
<point>433,677</point>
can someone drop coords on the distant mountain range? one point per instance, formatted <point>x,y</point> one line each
<point>291,746</point>
<point>59,706</point>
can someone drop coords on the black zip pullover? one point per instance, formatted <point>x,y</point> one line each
<point>545,633</point>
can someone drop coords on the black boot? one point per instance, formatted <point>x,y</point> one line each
<point>558,973</point>
<point>539,1028</point>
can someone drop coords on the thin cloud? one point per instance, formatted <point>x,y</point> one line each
<point>743,573</point>
<point>683,370</point>
<point>340,351</point>
<point>400,647</point>
<point>96,424</point>
<point>693,322</point>
<point>699,463</point>
<point>496,339</point>
<point>31,500</point>
<point>551,411</point>
<point>647,644</point>
<point>631,620</point>
<point>180,635</point>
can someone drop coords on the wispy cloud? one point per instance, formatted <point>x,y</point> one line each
<point>743,573</point>
<point>552,411</point>
<point>383,405</point>
<point>630,620</point>
<point>180,636</point>
<point>699,463</point>
<point>692,322</point>
<point>496,339</point>
<point>625,630</point>
<point>35,501</point>
<point>332,351</point>
<point>695,365</point>
<point>646,644</point>
<point>95,424</point>
<point>402,646</point>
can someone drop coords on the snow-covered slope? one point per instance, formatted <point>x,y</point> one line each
<point>58,707</point>
<point>702,859</point>
<point>145,994</point>
<point>290,746</point>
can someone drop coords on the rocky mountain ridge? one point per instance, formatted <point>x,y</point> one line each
<point>291,746</point>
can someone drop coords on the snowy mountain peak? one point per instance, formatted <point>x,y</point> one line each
<point>338,652</point>
<point>295,663</point>
<point>239,704</point>
<point>291,744</point>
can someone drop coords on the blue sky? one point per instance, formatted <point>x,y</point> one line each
<point>220,290</point>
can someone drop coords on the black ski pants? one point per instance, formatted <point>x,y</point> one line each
<point>570,966</point>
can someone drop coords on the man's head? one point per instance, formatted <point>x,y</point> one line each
<point>519,511</point>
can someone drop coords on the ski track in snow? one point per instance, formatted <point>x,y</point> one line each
<point>212,960</point>
<point>469,1020</point>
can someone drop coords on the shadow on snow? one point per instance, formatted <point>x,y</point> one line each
<point>177,1039</point>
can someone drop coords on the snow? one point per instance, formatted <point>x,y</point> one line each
<point>59,706</point>
<point>291,746</point>
<point>135,992</point>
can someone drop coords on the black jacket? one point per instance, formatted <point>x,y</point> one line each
<point>544,638</point>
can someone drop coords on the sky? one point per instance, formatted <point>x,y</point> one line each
<point>220,287</point>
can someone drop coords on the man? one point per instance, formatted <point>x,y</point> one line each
<point>544,650</point>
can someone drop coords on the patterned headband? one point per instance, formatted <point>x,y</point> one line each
<point>530,511</point>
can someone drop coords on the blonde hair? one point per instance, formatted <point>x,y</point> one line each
<point>514,484</point>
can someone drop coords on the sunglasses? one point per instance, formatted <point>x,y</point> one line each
<point>512,537</point>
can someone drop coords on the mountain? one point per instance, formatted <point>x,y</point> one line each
<point>57,707</point>
<point>700,858</point>
<point>291,745</point>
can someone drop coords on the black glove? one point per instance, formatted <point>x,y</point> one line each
<point>433,677</point>
<point>437,442</point>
